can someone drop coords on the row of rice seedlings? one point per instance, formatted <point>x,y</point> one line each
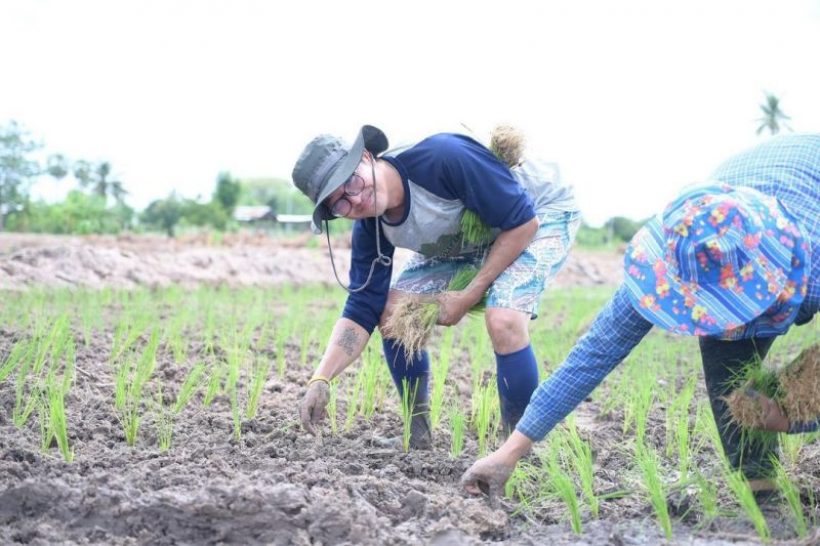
<point>791,492</point>
<point>332,407</point>
<point>440,369</point>
<point>639,402</point>
<point>581,454</point>
<point>31,370</point>
<point>372,381</point>
<point>650,465</point>
<point>164,416</point>
<point>189,386</point>
<point>677,426</point>
<point>53,419</point>
<point>408,404</point>
<point>130,379</point>
<point>562,484</point>
<point>746,499</point>
<point>457,425</point>
<point>485,415</point>
<point>261,370</point>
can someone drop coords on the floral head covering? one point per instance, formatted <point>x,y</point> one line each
<point>717,258</point>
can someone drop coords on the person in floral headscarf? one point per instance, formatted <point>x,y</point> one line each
<point>735,262</point>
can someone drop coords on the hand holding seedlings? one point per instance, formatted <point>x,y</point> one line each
<point>314,405</point>
<point>454,305</point>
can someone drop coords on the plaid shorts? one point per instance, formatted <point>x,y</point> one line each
<point>520,286</point>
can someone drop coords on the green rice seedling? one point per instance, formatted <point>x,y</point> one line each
<point>332,407</point>
<point>164,422</point>
<point>649,463</point>
<point>261,370</point>
<point>214,383</point>
<point>189,387</point>
<point>58,421</point>
<point>368,378</point>
<point>352,404</point>
<point>18,354</point>
<point>791,492</point>
<point>408,404</point>
<point>638,404</point>
<point>677,426</point>
<point>563,485</point>
<point>582,462</point>
<point>791,445</point>
<point>474,230</point>
<point>746,499</point>
<point>457,422</point>
<point>440,369</point>
<point>281,336</point>
<point>304,349</point>
<point>485,415</point>
<point>707,497</point>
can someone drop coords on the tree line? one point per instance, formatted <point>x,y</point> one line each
<point>97,204</point>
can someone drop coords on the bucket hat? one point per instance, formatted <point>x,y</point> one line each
<point>715,259</point>
<point>327,162</point>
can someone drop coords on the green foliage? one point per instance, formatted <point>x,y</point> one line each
<point>227,191</point>
<point>279,194</point>
<point>204,214</point>
<point>163,213</point>
<point>16,167</point>
<point>97,178</point>
<point>79,214</point>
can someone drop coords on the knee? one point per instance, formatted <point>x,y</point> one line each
<point>507,329</point>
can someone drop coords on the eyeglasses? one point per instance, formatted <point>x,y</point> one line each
<point>353,186</point>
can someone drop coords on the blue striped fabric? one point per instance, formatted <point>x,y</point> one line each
<point>786,167</point>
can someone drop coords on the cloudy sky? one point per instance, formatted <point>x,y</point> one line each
<point>632,98</point>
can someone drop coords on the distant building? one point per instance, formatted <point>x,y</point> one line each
<point>263,215</point>
<point>252,214</point>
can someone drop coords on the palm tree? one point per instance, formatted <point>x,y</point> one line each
<point>97,177</point>
<point>772,115</point>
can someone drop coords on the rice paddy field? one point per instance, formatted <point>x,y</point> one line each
<point>170,416</point>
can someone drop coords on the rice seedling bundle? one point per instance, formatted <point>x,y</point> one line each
<point>796,388</point>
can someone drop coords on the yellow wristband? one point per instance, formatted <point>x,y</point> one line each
<point>316,378</point>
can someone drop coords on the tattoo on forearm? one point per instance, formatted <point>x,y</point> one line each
<point>348,341</point>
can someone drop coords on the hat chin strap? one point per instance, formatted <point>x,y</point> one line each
<point>380,258</point>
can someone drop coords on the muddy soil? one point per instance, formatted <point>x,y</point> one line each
<point>130,261</point>
<point>279,485</point>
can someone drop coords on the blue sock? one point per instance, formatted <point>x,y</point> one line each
<point>416,371</point>
<point>517,377</point>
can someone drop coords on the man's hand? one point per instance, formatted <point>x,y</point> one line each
<point>488,476</point>
<point>314,405</point>
<point>454,305</point>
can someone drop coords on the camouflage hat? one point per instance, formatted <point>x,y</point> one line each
<point>327,162</point>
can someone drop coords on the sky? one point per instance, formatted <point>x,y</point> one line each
<point>633,99</point>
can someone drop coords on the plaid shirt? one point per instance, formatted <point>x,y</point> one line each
<point>787,167</point>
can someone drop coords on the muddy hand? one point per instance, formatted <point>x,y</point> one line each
<point>487,476</point>
<point>314,405</point>
<point>453,306</point>
<point>772,417</point>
